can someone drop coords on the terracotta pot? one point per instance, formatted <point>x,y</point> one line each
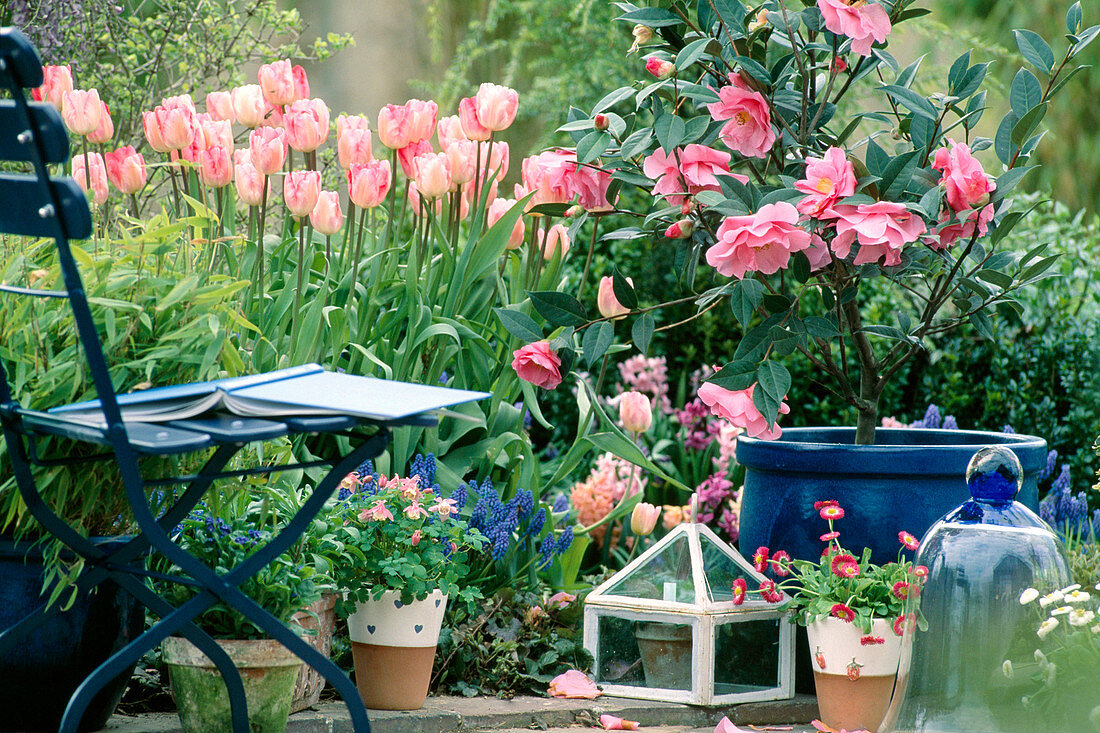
<point>393,646</point>
<point>268,671</point>
<point>321,617</point>
<point>666,654</point>
<point>854,681</point>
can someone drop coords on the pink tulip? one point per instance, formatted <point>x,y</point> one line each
<point>301,83</point>
<point>216,133</point>
<point>462,158</point>
<point>606,302</point>
<point>277,82</point>
<point>423,118</point>
<point>176,123</point>
<point>248,105</point>
<point>58,80</point>
<point>183,101</point>
<point>407,156</point>
<point>967,185</point>
<point>865,23</point>
<point>881,228</point>
<point>273,115</point>
<point>301,189</point>
<point>106,129</point>
<point>306,122</point>
<point>267,147</point>
<point>762,242</point>
<point>395,126</point>
<point>557,238</point>
<point>368,183</point>
<point>738,408</point>
<point>219,105</point>
<point>216,167</point>
<point>472,127</point>
<point>354,146</point>
<point>81,110</point>
<point>91,169</point>
<point>496,106</point>
<point>449,130</point>
<point>659,67</point>
<point>351,122</point>
<point>250,182</point>
<point>644,517</point>
<point>326,217</point>
<point>421,205</point>
<point>126,169</point>
<point>498,159</point>
<point>152,132</point>
<point>499,208</point>
<point>470,193</point>
<point>749,130</point>
<point>828,179</point>
<point>635,412</point>
<point>432,174</point>
<point>538,364</point>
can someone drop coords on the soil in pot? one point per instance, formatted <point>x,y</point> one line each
<point>666,654</point>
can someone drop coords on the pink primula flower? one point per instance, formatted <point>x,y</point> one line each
<point>827,180</point>
<point>749,130</point>
<point>881,228</point>
<point>538,364</point>
<point>738,408</point>
<point>966,183</point>
<point>762,242</point>
<point>575,685</point>
<point>864,22</point>
<point>691,170</point>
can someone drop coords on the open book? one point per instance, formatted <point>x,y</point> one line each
<point>300,390</point>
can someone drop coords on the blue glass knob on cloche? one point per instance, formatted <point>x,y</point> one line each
<point>980,558</point>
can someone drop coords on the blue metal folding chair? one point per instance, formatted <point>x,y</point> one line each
<point>40,206</point>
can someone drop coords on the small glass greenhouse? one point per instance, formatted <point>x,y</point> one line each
<point>666,628</point>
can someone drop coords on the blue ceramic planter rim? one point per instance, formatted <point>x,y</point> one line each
<point>896,452</point>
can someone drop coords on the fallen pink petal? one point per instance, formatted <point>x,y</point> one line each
<point>610,722</point>
<point>725,725</point>
<point>574,685</point>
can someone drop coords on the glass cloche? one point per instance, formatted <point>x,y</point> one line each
<point>973,668</point>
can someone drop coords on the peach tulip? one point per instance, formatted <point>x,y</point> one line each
<point>499,208</point>
<point>432,175</point>
<point>215,132</point>
<point>306,122</point>
<point>301,83</point>
<point>216,166</point>
<point>277,82</point>
<point>462,156</point>
<point>354,146</point>
<point>606,302</point>
<point>472,127</point>
<point>449,130</point>
<point>177,125</point>
<point>106,129</point>
<point>267,146</point>
<point>57,81</point>
<point>219,105</point>
<point>248,105</point>
<point>498,158</point>
<point>152,132</point>
<point>644,517</point>
<point>496,106</point>
<point>423,118</point>
<point>273,115</point>
<point>550,243</point>
<point>326,216</point>
<point>81,110</point>
<point>250,182</point>
<point>126,169</point>
<point>407,156</point>
<point>351,122</point>
<point>301,189</point>
<point>395,126</point>
<point>180,100</point>
<point>90,170</point>
<point>635,412</point>
<point>368,183</point>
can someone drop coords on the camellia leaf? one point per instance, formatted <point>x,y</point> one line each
<point>1026,93</point>
<point>596,340</point>
<point>642,332</point>
<point>773,381</point>
<point>638,142</point>
<point>624,291</point>
<point>557,308</point>
<point>670,130</point>
<point>745,296</point>
<point>735,376</point>
<point>592,146</point>
<point>520,325</point>
<point>1035,50</point>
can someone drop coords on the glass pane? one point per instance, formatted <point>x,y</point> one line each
<point>667,576</point>
<point>746,656</point>
<point>644,654</point>
<point>721,570</point>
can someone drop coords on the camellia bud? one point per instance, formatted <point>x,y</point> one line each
<point>660,68</point>
<point>642,34</point>
<point>600,121</point>
<point>681,229</point>
<point>574,211</point>
<point>687,207</point>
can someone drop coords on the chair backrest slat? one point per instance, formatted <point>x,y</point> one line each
<point>34,214</point>
<point>19,61</point>
<point>16,142</point>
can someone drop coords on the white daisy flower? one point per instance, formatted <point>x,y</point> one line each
<point>1050,598</point>
<point>1061,610</point>
<point>1071,588</point>
<point>1095,629</point>
<point>1029,595</point>
<point>1046,627</point>
<point>1040,657</point>
<point>1007,668</point>
<point>1077,596</point>
<point>1080,617</point>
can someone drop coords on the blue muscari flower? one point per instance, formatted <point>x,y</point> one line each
<point>561,503</point>
<point>1048,469</point>
<point>500,544</point>
<point>254,534</point>
<point>424,467</point>
<point>538,519</point>
<point>550,453</point>
<point>525,502</point>
<point>458,496</point>
<point>481,509</point>
<point>366,468</point>
<point>443,378</point>
<point>1008,429</point>
<point>1061,484</point>
<point>949,423</point>
<point>546,551</point>
<point>343,494</point>
<point>565,540</point>
<point>1047,512</point>
<point>932,417</point>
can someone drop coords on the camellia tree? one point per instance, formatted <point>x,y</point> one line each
<point>787,149</point>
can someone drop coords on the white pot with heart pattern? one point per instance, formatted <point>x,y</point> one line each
<point>393,646</point>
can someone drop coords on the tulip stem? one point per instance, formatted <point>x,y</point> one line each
<point>260,257</point>
<point>298,290</point>
<point>355,262</point>
<point>588,259</point>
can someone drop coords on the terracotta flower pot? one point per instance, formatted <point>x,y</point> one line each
<point>666,654</point>
<point>393,646</point>
<point>319,616</point>
<point>854,680</point>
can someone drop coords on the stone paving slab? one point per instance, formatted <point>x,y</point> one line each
<point>467,715</point>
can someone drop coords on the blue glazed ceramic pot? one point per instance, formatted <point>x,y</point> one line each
<point>906,481</point>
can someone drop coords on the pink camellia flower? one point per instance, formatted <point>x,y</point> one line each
<point>635,412</point>
<point>472,127</point>
<point>462,160</point>
<point>249,181</point>
<point>81,110</point>
<point>738,408</point>
<point>354,146</point>
<point>967,185</point>
<point>57,80</point>
<point>277,82</point>
<point>828,179</point>
<point>219,105</point>
<point>407,156</point>
<point>610,722</point>
<point>864,22</point>
<point>90,171</point>
<point>557,239</point>
<point>432,175</point>
<point>538,364</point>
<point>301,190</point>
<point>267,148</point>
<point>575,685</point>
<point>749,130</point>
<point>301,83</point>
<point>449,130</point>
<point>368,183</point>
<point>496,106</point>
<point>881,228</point>
<point>248,105</point>
<point>151,128</point>
<point>818,253</point>
<point>644,517</point>
<point>326,217</point>
<point>126,169</point>
<point>659,67</point>
<point>763,241</point>
<point>306,122</point>
<point>499,208</point>
<point>951,230</point>
<point>687,171</point>
<point>216,167</point>
<point>606,302</point>
<point>106,129</point>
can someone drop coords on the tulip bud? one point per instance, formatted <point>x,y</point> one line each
<point>660,68</point>
<point>301,190</point>
<point>644,518</point>
<point>326,216</point>
<point>499,208</point>
<point>635,412</point>
<point>681,229</point>
<point>90,171</point>
<point>606,302</point>
<point>600,121</point>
